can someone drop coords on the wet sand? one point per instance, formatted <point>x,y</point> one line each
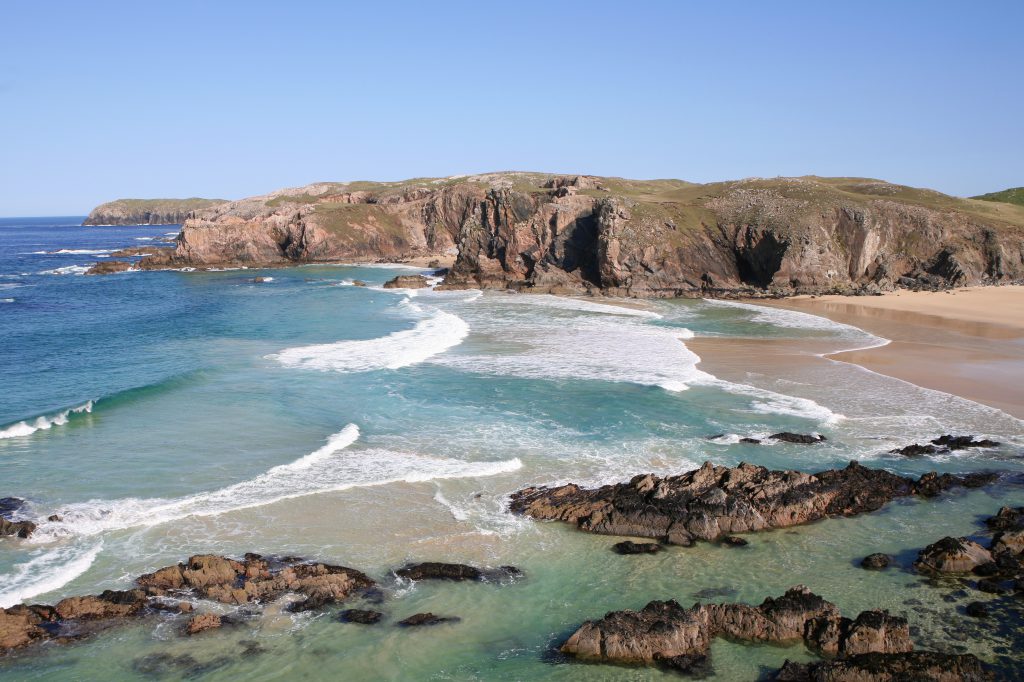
<point>969,342</point>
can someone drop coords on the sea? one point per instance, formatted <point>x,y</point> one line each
<point>291,412</point>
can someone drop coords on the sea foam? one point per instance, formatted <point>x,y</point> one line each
<point>46,421</point>
<point>327,469</point>
<point>46,571</point>
<point>429,337</point>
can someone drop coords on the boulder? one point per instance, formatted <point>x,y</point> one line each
<point>435,570</point>
<point>875,561</point>
<point>962,442</point>
<point>407,282</point>
<point>428,618</point>
<point>915,450</point>
<point>799,438</point>
<point>952,555</point>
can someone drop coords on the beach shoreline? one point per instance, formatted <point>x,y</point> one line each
<point>967,342</point>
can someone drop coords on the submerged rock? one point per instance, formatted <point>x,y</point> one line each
<point>905,666</point>
<point>664,632</point>
<point>915,450</point>
<point>712,502</point>
<point>630,547</point>
<point>435,570</point>
<point>202,622</point>
<point>799,438</point>
<point>407,282</point>
<point>109,267</point>
<point>875,561</point>
<point>360,616</point>
<point>427,619</point>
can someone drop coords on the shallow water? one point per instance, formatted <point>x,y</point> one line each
<point>370,427</point>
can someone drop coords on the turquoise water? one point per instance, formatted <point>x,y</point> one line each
<point>369,427</point>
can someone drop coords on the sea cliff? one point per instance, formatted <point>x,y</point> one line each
<point>564,234</point>
<point>148,211</point>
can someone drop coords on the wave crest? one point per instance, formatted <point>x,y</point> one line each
<point>46,421</point>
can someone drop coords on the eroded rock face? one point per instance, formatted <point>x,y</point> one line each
<point>664,631</point>
<point>562,234</point>
<point>712,502</point>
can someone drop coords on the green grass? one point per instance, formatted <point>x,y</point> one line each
<point>1014,195</point>
<point>163,205</point>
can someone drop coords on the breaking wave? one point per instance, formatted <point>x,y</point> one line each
<point>327,469</point>
<point>47,571</point>
<point>43,422</point>
<point>431,336</point>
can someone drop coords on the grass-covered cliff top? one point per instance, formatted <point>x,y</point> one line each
<point>1014,195</point>
<point>685,203</point>
<point>158,205</point>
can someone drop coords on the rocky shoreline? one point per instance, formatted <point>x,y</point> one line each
<point>254,580</point>
<point>713,502</point>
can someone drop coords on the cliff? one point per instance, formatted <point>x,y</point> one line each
<point>148,211</point>
<point>543,232</point>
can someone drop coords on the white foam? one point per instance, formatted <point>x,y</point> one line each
<point>431,336</point>
<point>46,571</point>
<point>6,300</point>
<point>46,421</point>
<point>583,305</point>
<point>83,252</point>
<point>144,239</point>
<point>330,468</point>
<point>66,270</point>
<point>780,317</point>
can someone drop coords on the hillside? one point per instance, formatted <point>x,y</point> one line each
<point>148,211</point>
<point>1014,195</point>
<point>563,233</point>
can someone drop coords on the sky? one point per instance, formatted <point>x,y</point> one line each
<point>101,100</point>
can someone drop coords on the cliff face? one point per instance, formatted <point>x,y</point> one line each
<point>148,211</point>
<point>640,238</point>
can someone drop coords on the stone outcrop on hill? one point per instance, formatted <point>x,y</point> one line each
<point>149,211</point>
<point>712,502</point>
<point>550,233</point>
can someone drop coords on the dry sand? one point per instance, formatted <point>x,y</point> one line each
<point>968,342</point>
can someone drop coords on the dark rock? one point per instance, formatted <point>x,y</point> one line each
<point>915,450</point>
<point>800,438</point>
<point>407,282</point>
<point>909,666</point>
<point>714,501</point>
<point>426,619</point>
<point>733,541</point>
<point>54,518</point>
<point>875,561</point>
<point>1008,518</point>
<point>21,529</point>
<point>434,570</point>
<point>358,283</point>
<point>630,547</point>
<point>361,616</point>
<point>696,665</point>
<point>991,585</point>
<point>963,442</point>
<point>976,609</point>
<point>751,441</point>
<point>109,267</point>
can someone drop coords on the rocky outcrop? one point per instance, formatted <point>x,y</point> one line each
<point>560,234</point>
<point>10,524</point>
<point>947,443</point>
<point>875,562</point>
<point>952,555</point>
<point>149,211</point>
<point>666,634</point>
<point>360,616</point>
<point>894,667</point>
<point>407,282</point>
<point>428,618</point>
<point>712,502</point>
<point>206,576</point>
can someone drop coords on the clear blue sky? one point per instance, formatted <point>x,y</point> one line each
<point>100,100</point>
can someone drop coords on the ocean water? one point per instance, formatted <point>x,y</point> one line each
<point>164,414</point>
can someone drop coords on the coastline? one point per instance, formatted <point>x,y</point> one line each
<point>967,342</point>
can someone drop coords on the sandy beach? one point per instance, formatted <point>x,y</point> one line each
<point>968,342</point>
